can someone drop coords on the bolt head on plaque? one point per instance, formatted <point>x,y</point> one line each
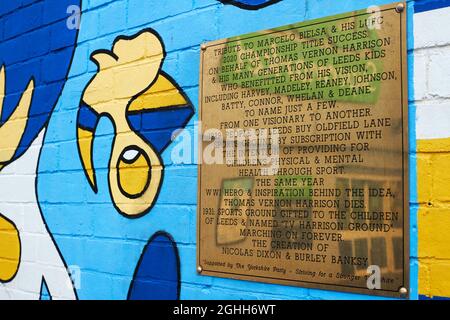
<point>400,7</point>
<point>403,291</point>
<point>199,269</point>
<point>203,47</point>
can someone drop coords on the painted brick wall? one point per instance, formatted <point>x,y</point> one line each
<point>53,216</point>
<point>432,104</point>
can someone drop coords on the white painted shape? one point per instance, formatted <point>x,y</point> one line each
<point>420,76</point>
<point>432,73</point>
<point>131,154</point>
<point>39,255</point>
<point>433,120</point>
<point>431,28</point>
<point>439,74</point>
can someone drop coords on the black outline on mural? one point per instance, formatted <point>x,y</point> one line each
<point>136,216</point>
<point>42,287</point>
<point>20,249</point>
<point>248,6</point>
<point>175,249</point>
<point>99,115</point>
<point>149,174</point>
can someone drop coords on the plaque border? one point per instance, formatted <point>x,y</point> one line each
<point>405,163</point>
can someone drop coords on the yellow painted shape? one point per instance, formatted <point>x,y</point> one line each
<point>9,249</point>
<point>12,130</point>
<point>161,94</point>
<point>124,72</point>
<point>133,176</point>
<point>140,203</point>
<point>85,140</point>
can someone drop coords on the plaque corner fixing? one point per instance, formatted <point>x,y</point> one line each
<point>400,7</point>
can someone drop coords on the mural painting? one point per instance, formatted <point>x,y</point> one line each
<point>145,113</point>
<point>144,105</point>
<point>139,111</point>
<point>32,77</point>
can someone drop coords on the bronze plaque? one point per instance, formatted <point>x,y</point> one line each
<point>303,177</point>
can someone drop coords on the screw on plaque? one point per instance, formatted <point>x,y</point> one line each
<point>203,47</point>
<point>403,292</point>
<point>199,269</point>
<point>400,7</point>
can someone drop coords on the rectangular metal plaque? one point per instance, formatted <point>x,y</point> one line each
<point>303,177</point>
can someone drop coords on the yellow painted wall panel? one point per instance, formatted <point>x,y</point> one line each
<point>424,278</point>
<point>424,176</point>
<point>441,176</point>
<point>434,233</point>
<point>440,279</point>
<point>434,145</point>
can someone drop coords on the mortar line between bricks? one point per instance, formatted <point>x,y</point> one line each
<point>128,240</point>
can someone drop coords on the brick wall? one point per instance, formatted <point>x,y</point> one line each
<point>431,101</point>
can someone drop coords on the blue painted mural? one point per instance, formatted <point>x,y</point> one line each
<point>32,76</point>
<point>33,60</point>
